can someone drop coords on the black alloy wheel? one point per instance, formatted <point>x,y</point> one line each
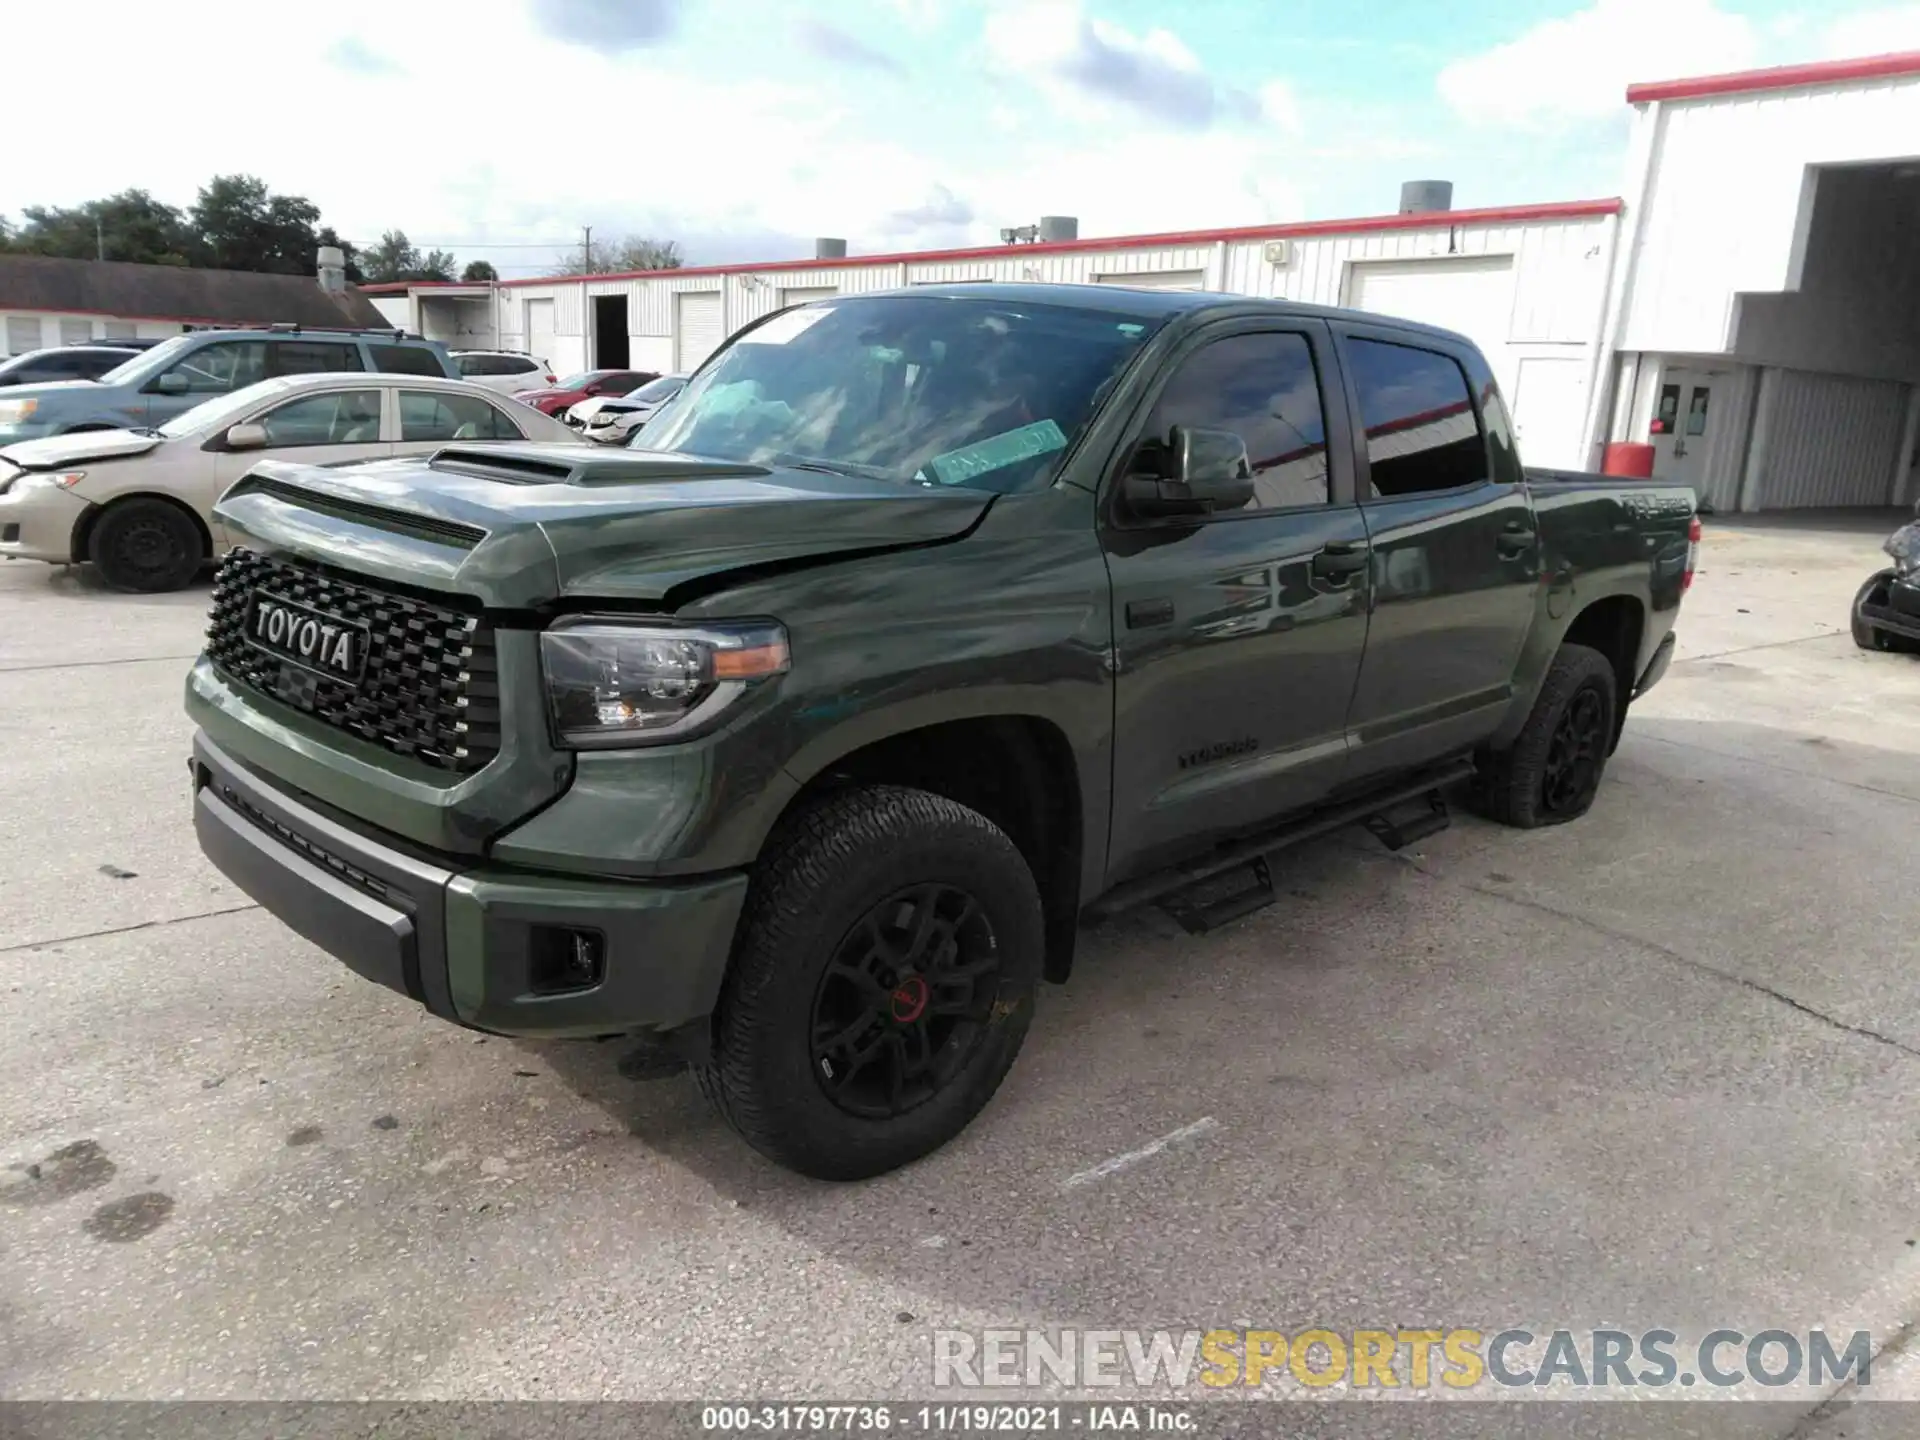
<point>1576,754</point>
<point>904,1003</point>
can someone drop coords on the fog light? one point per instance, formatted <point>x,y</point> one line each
<point>563,959</point>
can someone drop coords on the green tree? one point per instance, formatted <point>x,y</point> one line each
<point>241,226</point>
<point>479,270</point>
<point>129,226</point>
<point>398,258</point>
<point>635,252</point>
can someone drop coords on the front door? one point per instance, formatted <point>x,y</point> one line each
<point>1456,560</point>
<point>1683,420</point>
<point>1238,636</point>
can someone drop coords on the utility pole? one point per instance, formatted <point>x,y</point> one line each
<point>99,239</point>
<point>586,250</point>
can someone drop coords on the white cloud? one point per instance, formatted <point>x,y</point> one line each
<point>1577,67</point>
<point>1873,32</point>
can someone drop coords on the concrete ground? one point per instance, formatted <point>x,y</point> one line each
<point>1653,1070</point>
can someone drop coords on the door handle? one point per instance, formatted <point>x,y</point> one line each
<point>1515,540</point>
<point>1339,562</point>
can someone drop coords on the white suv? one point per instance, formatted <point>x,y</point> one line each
<point>507,371</point>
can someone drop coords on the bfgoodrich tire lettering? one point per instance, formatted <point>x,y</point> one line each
<point>1553,770</point>
<point>877,851</point>
<point>146,546</point>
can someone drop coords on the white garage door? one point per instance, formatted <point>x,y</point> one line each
<point>540,330</point>
<point>801,294</point>
<point>1472,296</point>
<point>1550,411</point>
<point>1157,280</point>
<point>697,327</point>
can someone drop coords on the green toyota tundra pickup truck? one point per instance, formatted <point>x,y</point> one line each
<point>795,741</point>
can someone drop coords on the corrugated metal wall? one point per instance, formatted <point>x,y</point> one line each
<point>1827,440</point>
<point>1727,178</point>
<point>1726,459</point>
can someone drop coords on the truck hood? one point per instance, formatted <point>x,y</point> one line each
<point>523,526</point>
<point>53,451</point>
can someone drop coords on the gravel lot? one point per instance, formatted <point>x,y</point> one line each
<point>1656,1069</point>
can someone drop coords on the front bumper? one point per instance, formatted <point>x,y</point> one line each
<point>37,520</point>
<point>467,942</point>
<point>1893,606</point>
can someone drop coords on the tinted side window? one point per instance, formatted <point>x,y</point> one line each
<point>1422,433</point>
<point>427,416</point>
<point>516,365</point>
<point>1265,389</point>
<point>314,357</point>
<point>405,360</point>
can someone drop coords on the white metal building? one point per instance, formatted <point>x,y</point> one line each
<point>1752,307</point>
<point>1763,322</point>
<point>1528,283</point>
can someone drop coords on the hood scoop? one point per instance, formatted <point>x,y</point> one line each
<point>554,465</point>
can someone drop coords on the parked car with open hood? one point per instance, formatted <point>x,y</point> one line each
<point>1886,611</point>
<point>180,373</point>
<point>795,741</point>
<point>138,504</point>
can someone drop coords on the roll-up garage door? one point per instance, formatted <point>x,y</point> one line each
<point>697,327</point>
<point>1827,439</point>
<point>1472,296</point>
<point>540,330</point>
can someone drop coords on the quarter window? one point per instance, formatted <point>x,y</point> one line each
<point>1422,432</point>
<point>341,417</point>
<point>427,416</point>
<point>1266,390</point>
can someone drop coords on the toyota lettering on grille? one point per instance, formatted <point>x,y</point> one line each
<point>324,644</point>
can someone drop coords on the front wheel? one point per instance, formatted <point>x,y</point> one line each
<point>881,985</point>
<point>146,546</point>
<point>1552,771</point>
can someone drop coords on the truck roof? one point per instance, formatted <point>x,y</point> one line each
<point>1148,303</point>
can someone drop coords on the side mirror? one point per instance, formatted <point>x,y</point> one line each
<point>1210,473</point>
<point>248,436</point>
<point>171,383</point>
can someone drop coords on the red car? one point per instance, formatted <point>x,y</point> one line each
<point>554,399</point>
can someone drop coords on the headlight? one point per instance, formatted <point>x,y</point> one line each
<point>616,683</point>
<point>1904,546</point>
<point>12,412</point>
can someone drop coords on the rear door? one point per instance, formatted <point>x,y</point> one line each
<point>1455,555</point>
<point>432,418</point>
<point>1238,637</point>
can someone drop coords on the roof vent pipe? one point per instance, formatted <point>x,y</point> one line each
<point>1418,197</point>
<point>827,248</point>
<point>331,267</point>
<point>1059,227</point>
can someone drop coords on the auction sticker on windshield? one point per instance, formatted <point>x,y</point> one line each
<point>956,467</point>
<point>782,328</point>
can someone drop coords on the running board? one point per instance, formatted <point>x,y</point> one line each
<point>1202,894</point>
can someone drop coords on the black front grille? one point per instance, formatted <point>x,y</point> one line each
<point>430,689</point>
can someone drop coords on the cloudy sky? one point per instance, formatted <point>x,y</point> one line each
<point>497,128</point>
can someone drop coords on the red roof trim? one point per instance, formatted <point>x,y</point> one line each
<point>1429,220</point>
<point>1780,77</point>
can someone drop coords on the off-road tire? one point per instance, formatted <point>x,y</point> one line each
<point>145,546</point>
<point>1514,786</point>
<point>822,873</point>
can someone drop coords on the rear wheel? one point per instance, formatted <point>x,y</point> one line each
<point>146,546</point>
<point>1552,771</point>
<point>881,985</point>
